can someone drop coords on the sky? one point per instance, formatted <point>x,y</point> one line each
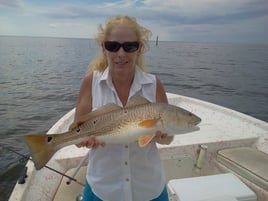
<point>228,21</point>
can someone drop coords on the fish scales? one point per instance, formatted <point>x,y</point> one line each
<point>138,121</point>
<point>115,121</point>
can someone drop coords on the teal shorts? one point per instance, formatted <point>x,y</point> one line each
<point>88,195</point>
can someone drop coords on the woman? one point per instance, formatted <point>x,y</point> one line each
<point>122,172</point>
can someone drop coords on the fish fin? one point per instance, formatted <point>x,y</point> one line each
<point>145,139</point>
<point>105,109</point>
<point>41,147</point>
<point>136,100</point>
<point>149,123</point>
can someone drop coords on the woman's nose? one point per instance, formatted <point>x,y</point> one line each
<point>121,52</point>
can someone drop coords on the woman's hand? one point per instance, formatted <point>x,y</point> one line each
<point>163,138</point>
<point>91,142</point>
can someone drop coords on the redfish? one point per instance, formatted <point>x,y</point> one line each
<point>137,121</point>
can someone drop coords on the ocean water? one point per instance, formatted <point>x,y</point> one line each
<point>40,79</point>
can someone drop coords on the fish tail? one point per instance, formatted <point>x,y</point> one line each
<point>41,148</point>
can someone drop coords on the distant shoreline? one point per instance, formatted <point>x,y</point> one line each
<point>152,40</point>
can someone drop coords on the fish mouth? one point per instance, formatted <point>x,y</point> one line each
<point>195,120</point>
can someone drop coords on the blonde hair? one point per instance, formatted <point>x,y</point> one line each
<point>100,63</point>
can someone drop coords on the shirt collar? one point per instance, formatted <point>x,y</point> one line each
<point>139,79</point>
<point>105,77</point>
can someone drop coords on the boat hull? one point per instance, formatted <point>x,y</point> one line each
<point>191,155</point>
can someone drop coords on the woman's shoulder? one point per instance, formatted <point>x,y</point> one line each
<point>92,75</point>
<point>152,78</point>
<point>89,76</point>
<point>87,80</point>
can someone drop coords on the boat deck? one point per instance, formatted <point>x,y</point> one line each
<point>248,164</point>
<point>69,192</point>
<point>221,128</point>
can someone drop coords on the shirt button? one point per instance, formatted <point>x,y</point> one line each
<point>127,179</point>
<point>126,162</point>
<point>126,146</point>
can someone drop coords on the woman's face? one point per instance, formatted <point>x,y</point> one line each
<point>122,60</point>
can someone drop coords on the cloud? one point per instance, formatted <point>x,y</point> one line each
<point>172,19</point>
<point>166,12</point>
<point>71,11</point>
<point>53,26</point>
<point>205,11</point>
<point>10,3</point>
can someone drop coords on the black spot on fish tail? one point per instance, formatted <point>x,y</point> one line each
<point>49,139</point>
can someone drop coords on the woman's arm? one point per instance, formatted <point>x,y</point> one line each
<point>84,100</point>
<point>84,106</point>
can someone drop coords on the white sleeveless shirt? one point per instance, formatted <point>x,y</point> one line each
<point>124,172</point>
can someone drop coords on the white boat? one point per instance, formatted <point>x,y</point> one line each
<point>227,142</point>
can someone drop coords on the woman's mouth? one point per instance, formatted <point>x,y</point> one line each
<point>121,62</point>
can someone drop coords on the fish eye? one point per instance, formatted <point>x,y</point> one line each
<point>78,130</point>
<point>49,139</point>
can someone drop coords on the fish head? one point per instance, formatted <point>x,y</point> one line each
<point>180,116</point>
<point>178,120</point>
<point>189,118</point>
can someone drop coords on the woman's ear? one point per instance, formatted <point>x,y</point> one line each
<point>139,51</point>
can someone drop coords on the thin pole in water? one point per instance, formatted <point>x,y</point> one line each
<point>50,168</point>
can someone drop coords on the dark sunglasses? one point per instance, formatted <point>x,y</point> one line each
<point>113,46</point>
